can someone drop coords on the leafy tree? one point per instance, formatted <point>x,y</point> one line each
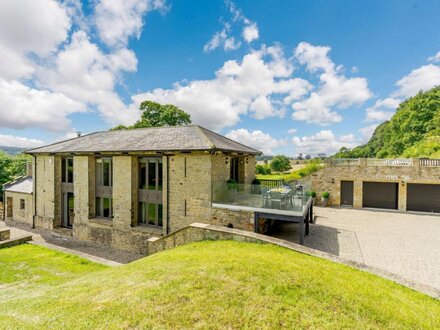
<point>11,167</point>
<point>307,156</point>
<point>280,163</point>
<point>155,114</point>
<point>415,125</point>
<point>262,169</point>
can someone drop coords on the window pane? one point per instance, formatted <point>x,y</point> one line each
<point>142,213</point>
<point>63,170</point>
<point>99,172</point>
<point>152,214</point>
<point>98,207</point>
<point>106,172</point>
<point>159,215</point>
<point>159,178</point>
<point>70,170</point>
<point>152,175</point>
<point>106,207</point>
<point>142,175</point>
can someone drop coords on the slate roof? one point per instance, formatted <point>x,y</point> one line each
<point>177,138</point>
<point>21,185</point>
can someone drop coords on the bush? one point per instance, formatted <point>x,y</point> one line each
<point>311,194</point>
<point>232,184</point>
<point>262,169</point>
<point>280,163</point>
<point>325,194</point>
<point>256,181</point>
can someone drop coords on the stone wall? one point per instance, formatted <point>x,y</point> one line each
<point>243,220</point>
<point>21,216</point>
<point>48,191</point>
<point>330,177</point>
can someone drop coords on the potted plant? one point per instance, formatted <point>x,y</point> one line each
<point>256,186</point>
<point>232,189</point>
<point>312,194</point>
<point>325,198</point>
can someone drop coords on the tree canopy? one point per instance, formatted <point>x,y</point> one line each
<point>413,131</point>
<point>11,167</point>
<point>280,163</point>
<point>155,115</point>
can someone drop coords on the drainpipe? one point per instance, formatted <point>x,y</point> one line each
<point>168,194</point>
<point>34,189</point>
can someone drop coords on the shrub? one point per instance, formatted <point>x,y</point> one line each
<point>263,169</point>
<point>280,163</point>
<point>256,181</point>
<point>325,194</point>
<point>232,184</point>
<point>311,194</point>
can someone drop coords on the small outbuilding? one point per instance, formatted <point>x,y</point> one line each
<point>18,201</point>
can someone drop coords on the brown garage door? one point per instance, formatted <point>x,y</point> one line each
<point>381,195</point>
<point>347,193</point>
<point>423,197</point>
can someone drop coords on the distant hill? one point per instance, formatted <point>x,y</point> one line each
<point>12,150</point>
<point>413,131</point>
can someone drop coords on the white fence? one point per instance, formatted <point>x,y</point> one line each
<point>383,162</point>
<point>389,162</point>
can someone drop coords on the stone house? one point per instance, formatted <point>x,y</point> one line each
<point>18,201</point>
<point>396,184</point>
<point>120,188</point>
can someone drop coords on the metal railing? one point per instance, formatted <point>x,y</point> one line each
<point>430,162</point>
<point>424,162</point>
<point>271,183</point>
<point>285,197</point>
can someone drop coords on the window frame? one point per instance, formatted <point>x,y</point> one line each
<point>157,220</point>
<point>22,204</point>
<point>103,191</point>
<point>148,197</point>
<point>65,169</point>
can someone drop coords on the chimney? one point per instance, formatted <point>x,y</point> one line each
<point>29,168</point>
<point>78,134</point>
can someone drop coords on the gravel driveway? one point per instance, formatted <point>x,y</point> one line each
<point>404,244</point>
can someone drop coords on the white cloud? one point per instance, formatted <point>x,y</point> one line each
<point>225,38</point>
<point>292,131</point>
<point>38,26</point>
<point>18,141</point>
<point>334,91</point>
<point>367,132</point>
<point>118,20</point>
<point>380,111</point>
<point>323,142</point>
<point>250,32</point>
<point>83,72</point>
<point>423,78</point>
<point>22,106</point>
<point>256,85</point>
<point>256,139</point>
<point>222,39</point>
<point>354,69</point>
<point>435,58</point>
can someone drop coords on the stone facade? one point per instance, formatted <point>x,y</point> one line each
<point>188,179</point>
<point>22,216</point>
<point>330,177</point>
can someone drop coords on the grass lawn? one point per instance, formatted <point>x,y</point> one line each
<point>278,176</point>
<point>203,285</point>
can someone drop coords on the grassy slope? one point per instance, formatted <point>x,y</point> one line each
<point>206,285</point>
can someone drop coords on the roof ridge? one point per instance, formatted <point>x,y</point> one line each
<point>29,151</point>
<point>211,144</point>
<point>224,137</point>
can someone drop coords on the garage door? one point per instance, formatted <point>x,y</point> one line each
<point>381,195</point>
<point>423,197</point>
<point>347,193</point>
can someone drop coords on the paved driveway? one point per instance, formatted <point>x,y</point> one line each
<point>404,244</point>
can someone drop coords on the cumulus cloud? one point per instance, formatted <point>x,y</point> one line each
<point>335,90</point>
<point>380,111</point>
<point>18,141</point>
<point>435,58</point>
<point>225,38</point>
<point>367,132</point>
<point>256,139</point>
<point>323,142</point>
<point>292,131</point>
<point>423,78</point>
<point>260,85</point>
<point>118,20</point>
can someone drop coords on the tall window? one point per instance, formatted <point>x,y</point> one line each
<point>67,170</point>
<point>104,182</point>
<point>150,210</point>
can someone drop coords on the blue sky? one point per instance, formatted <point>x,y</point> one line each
<point>283,76</point>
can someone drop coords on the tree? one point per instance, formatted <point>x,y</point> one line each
<point>307,156</point>
<point>155,115</point>
<point>11,167</point>
<point>300,156</point>
<point>280,163</point>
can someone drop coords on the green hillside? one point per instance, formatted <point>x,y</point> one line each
<point>206,285</point>
<point>413,131</point>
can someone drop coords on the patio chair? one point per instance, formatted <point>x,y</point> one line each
<point>276,199</point>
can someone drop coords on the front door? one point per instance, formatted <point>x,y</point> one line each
<point>9,208</point>
<point>68,210</point>
<point>347,193</point>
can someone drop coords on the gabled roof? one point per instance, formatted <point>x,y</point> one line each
<point>176,138</point>
<point>21,185</point>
